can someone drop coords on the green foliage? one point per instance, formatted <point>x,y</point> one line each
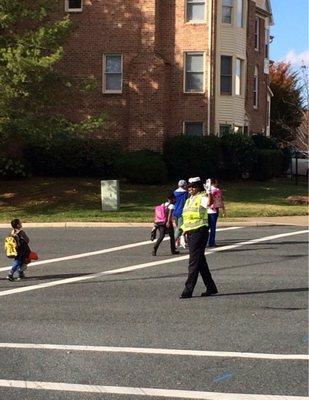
<point>269,164</point>
<point>193,156</point>
<point>71,155</point>
<point>12,168</point>
<point>287,104</point>
<point>143,166</point>
<point>239,155</point>
<point>31,45</point>
<point>264,142</point>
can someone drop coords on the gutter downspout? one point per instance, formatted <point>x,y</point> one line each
<point>209,64</point>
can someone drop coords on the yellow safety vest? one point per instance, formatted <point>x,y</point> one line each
<point>194,215</point>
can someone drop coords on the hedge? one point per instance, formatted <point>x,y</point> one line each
<point>269,164</point>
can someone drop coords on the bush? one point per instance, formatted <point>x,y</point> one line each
<point>193,156</point>
<point>12,168</point>
<point>69,155</point>
<point>143,166</point>
<point>239,155</point>
<point>264,142</point>
<point>269,164</point>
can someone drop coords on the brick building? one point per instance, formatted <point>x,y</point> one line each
<point>167,67</point>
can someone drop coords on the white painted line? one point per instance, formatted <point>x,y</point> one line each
<point>104,251</point>
<point>143,350</point>
<point>134,391</point>
<point>144,265</point>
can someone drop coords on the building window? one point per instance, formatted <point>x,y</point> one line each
<point>256,88</point>
<point>195,10</point>
<point>194,73</point>
<point>112,73</point>
<point>224,129</point>
<point>194,128</point>
<point>257,34</point>
<point>238,76</point>
<point>227,11</point>
<point>240,12</point>
<point>226,75</point>
<point>238,129</point>
<point>73,5</point>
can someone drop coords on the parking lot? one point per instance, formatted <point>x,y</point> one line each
<point>99,318</point>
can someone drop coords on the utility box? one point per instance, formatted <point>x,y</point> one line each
<point>110,195</point>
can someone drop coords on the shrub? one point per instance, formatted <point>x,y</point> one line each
<point>239,155</point>
<point>69,155</point>
<point>12,168</point>
<point>264,142</point>
<point>193,156</point>
<point>143,166</point>
<point>269,164</point>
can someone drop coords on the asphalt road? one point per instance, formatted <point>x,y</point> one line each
<point>261,308</point>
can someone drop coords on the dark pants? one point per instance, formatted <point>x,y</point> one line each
<point>162,230</point>
<point>212,222</point>
<point>197,241</point>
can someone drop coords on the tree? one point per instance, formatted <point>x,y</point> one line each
<point>31,45</point>
<point>287,103</point>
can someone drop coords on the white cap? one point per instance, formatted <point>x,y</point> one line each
<point>182,183</point>
<point>195,179</point>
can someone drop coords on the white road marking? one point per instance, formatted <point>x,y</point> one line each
<point>144,265</point>
<point>104,251</point>
<point>134,391</point>
<point>143,350</point>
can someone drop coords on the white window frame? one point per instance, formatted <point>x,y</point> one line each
<point>240,6</point>
<point>240,76</point>
<point>104,90</point>
<point>256,88</point>
<point>192,122</point>
<point>186,53</point>
<point>195,21</point>
<point>232,13</point>
<point>257,34</point>
<point>72,10</point>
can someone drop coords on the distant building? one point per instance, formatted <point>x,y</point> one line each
<point>167,67</point>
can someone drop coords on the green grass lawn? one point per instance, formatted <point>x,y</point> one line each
<point>78,199</point>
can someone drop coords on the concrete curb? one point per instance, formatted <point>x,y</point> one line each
<point>271,221</point>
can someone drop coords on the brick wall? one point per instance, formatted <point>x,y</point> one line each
<point>257,117</point>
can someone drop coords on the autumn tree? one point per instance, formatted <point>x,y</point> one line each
<point>31,45</point>
<point>287,103</point>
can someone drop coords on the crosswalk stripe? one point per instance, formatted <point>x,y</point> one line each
<point>134,391</point>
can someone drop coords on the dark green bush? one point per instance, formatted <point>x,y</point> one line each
<point>188,156</point>
<point>239,155</point>
<point>12,168</point>
<point>269,164</point>
<point>143,166</point>
<point>68,155</point>
<point>264,142</point>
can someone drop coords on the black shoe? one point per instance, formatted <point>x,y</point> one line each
<point>210,292</point>
<point>10,277</point>
<point>185,295</point>
<point>154,252</point>
<point>175,252</point>
<point>21,275</point>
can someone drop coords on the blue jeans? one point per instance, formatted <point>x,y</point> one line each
<point>178,223</point>
<point>212,222</point>
<point>16,266</point>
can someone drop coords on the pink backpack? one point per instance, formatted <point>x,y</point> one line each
<point>217,196</point>
<point>160,214</point>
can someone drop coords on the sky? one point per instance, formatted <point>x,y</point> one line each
<point>290,32</point>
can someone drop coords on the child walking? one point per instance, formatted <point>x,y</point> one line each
<point>23,250</point>
<point>164,224</point>
<point>213,211</point>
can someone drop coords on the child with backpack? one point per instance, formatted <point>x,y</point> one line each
<point>19,250</point>
<point>164,223</point>
<point>213,209</point>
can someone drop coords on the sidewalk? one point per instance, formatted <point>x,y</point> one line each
<point>260,221</point>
